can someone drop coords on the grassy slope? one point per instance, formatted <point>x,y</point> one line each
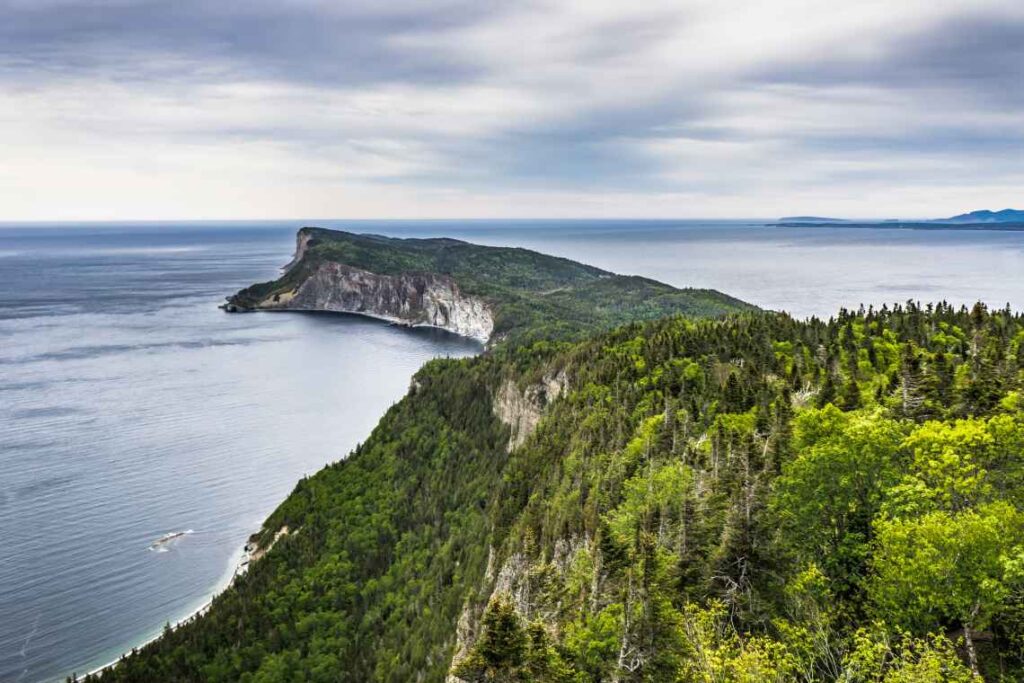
<point>532,295</point>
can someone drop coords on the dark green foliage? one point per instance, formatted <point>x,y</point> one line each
<point>507,652</point>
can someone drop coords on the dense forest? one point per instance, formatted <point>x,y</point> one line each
<point>752,498</point>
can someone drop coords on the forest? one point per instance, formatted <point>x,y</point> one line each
<point>748,498</point>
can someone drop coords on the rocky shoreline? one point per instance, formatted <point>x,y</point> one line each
<point>411,299</point>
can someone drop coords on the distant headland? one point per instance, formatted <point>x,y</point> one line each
<point>490,294</point>
<point>984,219</point>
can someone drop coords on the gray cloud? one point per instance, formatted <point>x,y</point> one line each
<point>972,54</point>
<point>401,107</point>
<point>322,44</point>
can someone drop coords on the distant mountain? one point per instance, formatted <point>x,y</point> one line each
<point>1007,219</point>
<point>810,219</point>
<point>986,216</point>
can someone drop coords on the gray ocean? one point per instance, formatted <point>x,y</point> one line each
<point>131,408</point>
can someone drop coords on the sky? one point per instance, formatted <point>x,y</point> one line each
<point>189,109</point>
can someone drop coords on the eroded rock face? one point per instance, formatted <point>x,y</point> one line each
<point>524,583</point>
<point>302,240</point>
<point>416,299</point>
<point>521,409</point>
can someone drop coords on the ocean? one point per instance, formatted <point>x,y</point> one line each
<point>132,409</point>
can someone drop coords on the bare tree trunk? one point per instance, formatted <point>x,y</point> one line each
<point>972,656</point>
<point>624,643</point>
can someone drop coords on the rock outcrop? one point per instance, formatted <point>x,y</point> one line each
<point>521,409</point>
<point>414,299</point>
<point>302,240</point>
<point>522,582</point>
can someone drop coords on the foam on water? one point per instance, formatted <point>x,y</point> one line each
<point>164,543</point>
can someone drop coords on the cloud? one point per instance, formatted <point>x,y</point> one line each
<point>975,55</point>
<point>129,108</point>
<point>319,43</point>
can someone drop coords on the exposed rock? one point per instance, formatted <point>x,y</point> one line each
<point>521,410</point>
<point>302,240</point>
<point>523,583</point>
<point>255,552</point>
<point>414,299</point>
<point>465,636</point>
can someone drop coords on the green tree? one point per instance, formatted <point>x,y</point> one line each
<point>544,664</point>
<point>877,657</point>
<point>850,398</point>
<point>943,569</point>
<point>716,653</point>
<point>829,493</point>
<point>500,652</point>
<point>827,394</point>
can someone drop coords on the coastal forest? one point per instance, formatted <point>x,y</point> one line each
<point>742,499</point>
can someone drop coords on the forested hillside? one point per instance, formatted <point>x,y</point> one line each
<point>747,499</point>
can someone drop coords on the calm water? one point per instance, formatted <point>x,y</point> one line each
<point>130,407</point>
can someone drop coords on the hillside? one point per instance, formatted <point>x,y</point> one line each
<point>490,293</point>
<point>747,499</point>
<point>986,216</point>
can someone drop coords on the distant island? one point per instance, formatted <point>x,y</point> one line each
<point>984,219</point>
<point>811,219</point>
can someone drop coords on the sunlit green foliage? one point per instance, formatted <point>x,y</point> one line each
<point>947,568</point>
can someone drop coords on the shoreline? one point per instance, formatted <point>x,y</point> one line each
<point>241,560</point>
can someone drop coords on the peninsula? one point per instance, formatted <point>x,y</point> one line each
<point>491,294</point>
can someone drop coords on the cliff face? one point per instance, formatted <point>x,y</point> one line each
<point>522,410</point>
<point>302,240</point>
<point>415,299</point>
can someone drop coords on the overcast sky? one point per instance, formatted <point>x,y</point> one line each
<point>124,109</point>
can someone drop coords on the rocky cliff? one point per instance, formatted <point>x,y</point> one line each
<point>414,299</point>
<point>302,240</point>
<point>522,409</point>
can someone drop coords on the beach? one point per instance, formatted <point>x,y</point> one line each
<point>239,566</point>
